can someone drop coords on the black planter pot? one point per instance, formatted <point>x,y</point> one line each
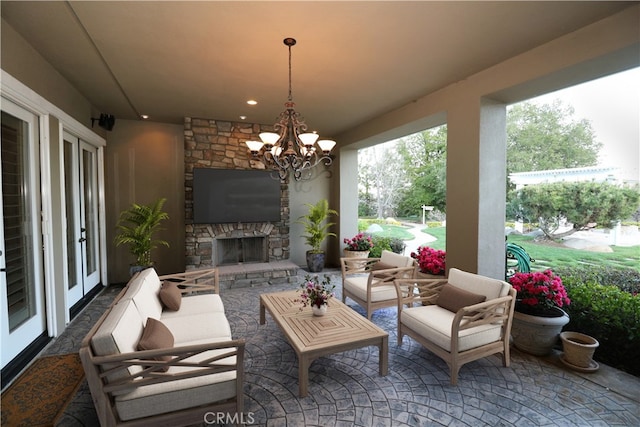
<point>315,261</point>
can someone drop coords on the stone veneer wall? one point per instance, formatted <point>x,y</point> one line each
<point>220,145</point>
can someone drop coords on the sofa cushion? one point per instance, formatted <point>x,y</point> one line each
<point>172,396</point>
<point>453,298</point>
<point>181,394</point>
<point>143,289</point>
<point>196,304</point>
<point>357,285</point>
<point>434,323</point>
<point>212,326</point>
<point>170,296</point>
<point>156,336</point>
<point>119,333</point>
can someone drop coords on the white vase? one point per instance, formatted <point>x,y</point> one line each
<point>319,311</point>
<point>537,334</point>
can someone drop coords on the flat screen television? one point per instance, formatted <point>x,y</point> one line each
<point>235,195</point>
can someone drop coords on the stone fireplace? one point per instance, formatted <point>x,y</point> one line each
<point>218,144</point>
<point>237,250</point>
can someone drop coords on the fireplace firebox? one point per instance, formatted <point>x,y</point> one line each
<point>238,250</point>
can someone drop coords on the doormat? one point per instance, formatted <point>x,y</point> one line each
<point>42,392</point>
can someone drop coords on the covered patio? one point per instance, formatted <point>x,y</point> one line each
<point>346,389</point>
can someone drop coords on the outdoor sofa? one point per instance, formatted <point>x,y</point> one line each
<point>139,374</point>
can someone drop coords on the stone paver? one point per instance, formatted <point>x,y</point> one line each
<point>345,389</point>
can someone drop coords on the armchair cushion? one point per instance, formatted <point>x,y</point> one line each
<point>395,260</point>
<point>434,324</point>
<point>489,287</point>
<point>453,298</point>
<point>357,285</point>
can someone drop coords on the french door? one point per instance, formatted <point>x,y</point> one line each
<point>81,202</point>
<point>22,317</point>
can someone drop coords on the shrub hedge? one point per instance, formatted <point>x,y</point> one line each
<point>389,243</point>
<point>605,304</point>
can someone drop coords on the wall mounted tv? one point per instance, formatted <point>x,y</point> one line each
<point>235,195</point>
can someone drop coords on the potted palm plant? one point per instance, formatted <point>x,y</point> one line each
<point>137,226</point>
<point>316,228</point>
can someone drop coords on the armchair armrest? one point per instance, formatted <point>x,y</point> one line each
<point>196,281</point>
<point>418,291</point>
<point>496,311</point>
<point>388,275</point>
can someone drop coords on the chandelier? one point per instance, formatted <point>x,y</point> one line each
<point>290,148</point>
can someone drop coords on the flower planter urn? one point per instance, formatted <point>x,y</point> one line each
<point>535,334</point>
<point>578,351</point>
<point>356,254</point>
<point>315,261</point>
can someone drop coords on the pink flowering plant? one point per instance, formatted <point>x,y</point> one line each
<point>430,261</point>
<point>539,292</point>
<point>316,292</point>
<point>360,242</point>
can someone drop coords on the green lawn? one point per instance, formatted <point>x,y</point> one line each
<point>394,231</point>
<point>551,256</point>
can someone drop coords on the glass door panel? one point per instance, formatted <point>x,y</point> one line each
<point>81,203</point>
<point>21,278</point>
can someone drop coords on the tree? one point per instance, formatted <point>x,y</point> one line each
<point>379,173</point>
<point>542,137</point>
<point>584,204</point>
<point>425,160</point>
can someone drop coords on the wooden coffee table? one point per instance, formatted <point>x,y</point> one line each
<point>311,336</point>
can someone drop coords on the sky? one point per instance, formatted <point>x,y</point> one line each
<point>612,105</point>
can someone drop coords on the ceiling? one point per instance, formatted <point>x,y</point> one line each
<point>353,61</point>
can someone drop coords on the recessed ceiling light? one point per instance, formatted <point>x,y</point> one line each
<point>243,117</point>
<point>252,102</point>
<point>144,116</point>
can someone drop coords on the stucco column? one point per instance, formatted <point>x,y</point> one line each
<point>476,186</point>
<point>345,198</point>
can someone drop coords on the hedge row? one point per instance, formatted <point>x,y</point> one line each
<point>605,304</point>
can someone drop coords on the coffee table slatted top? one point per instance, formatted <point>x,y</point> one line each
<point>340,329</point>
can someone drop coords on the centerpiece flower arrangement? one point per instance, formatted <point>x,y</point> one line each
<point>316,292</point>
<point>539,293</point>
<point>360,242</point>
<point>430,261</point>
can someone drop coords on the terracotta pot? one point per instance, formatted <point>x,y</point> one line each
<point>578,350</point>
<point>537,335</point>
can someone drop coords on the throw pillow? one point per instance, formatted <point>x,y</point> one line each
<point>453,298</point>
<point>170,296</point>
<point>381,266</point>
<point>155,336</point>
